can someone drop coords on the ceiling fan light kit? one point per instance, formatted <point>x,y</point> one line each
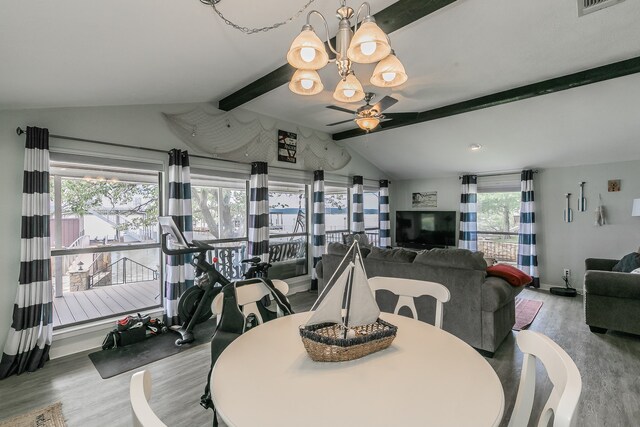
<point>368,45</point>
<point>368,123</point>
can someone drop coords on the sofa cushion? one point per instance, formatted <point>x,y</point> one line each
<point>335,248</point>
<point>512,275</point>
<point>392,255</point>
<point>454,258</point>
<point>628,263</point>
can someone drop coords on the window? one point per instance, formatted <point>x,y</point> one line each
<point>287,230</point>
<point>336,219</point>
<point>371,208</point>
<point>104,241</point>
<point>220,217</point>
<point>499,217</point>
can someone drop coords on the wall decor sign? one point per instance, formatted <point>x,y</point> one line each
<point>427,199</point>
<point>287,146</point>
<point>613,185</point>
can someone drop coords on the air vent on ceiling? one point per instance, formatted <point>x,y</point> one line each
<point>588,6</point>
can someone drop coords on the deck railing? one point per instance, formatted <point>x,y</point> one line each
<point>336,236</point>
<point>124,270</point>
<point>502,246</point>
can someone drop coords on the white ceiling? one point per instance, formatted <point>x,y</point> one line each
<point>118,52</point>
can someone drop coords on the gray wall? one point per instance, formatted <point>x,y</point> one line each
<point>141,126</point>
<point>560,245</point>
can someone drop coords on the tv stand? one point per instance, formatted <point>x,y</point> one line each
<point>420,247</point>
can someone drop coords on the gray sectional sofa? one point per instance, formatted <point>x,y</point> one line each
<point>481,310</point>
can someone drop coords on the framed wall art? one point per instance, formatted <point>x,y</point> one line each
<point>428,199</point>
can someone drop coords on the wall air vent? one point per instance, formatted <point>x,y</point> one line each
<point>588,6</point>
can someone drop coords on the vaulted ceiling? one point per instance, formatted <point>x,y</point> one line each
<point>92,53</point>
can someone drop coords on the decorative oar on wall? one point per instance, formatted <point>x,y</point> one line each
<point>582,202</point>
<point>568,212</point>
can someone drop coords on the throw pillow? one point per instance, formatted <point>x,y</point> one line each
<point>392,255</point>
<point>636,271</point>
<point>512,275</point>
<point>453,258</point>
<point>335,248</point>
<point>628,263</point>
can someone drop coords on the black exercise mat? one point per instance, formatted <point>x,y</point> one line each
<point>115,361</point>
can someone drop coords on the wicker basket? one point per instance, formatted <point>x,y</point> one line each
<point>324,342</point>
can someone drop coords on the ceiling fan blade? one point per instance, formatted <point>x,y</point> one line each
<point>339,123</point>
<point>384,103</point>
<point>401,116</point>
<point>344,110</point>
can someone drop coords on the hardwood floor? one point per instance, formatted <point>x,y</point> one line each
<point>609,364</point>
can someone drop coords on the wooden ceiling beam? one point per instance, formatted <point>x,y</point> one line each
<point>390,19</point>
<point>582,78</point>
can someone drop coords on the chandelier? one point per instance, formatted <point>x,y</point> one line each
<point>368,45</point>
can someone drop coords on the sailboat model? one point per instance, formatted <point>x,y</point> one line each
<point>344,322</point>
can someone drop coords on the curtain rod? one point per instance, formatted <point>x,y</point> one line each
<point>495,174</point>
<point>20,131</point>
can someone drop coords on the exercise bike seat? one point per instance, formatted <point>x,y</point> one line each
<point>247,297</point>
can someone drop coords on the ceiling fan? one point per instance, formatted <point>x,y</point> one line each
<point>368,116</point>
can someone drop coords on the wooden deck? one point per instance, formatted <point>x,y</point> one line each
<point>108,301</point>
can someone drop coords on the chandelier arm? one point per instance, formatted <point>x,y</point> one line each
<point>358,14</point>
<point>326,27</point>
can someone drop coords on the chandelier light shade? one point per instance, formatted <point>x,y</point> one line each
<point>349,90</point>
<point>306,82</point>
<point>389,72</point>
<point>367,123</point>
<point>307,51</point>
<point>369,44</point>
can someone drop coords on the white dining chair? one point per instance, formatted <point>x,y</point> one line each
<point>563,373</point>
<point>408,289</point>
<point>139,395</point>
<point>248,296</point>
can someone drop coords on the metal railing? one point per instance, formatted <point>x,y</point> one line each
<point>498,245</point>
<point>336,236</point>
<point>124,270</point>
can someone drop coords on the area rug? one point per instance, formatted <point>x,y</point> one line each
<point>51,416</point>
<point>115,361</point>
<point>526,312</point>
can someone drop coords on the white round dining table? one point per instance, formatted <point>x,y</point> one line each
<point>427,377</point>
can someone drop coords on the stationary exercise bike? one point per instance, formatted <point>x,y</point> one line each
<point>194,306</point>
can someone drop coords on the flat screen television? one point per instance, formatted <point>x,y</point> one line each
<point>425,229</point>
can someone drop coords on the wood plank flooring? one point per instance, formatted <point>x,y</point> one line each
<point>609,364</point>
<point>108,301</point>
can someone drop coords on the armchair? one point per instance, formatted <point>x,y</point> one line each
<point>611,299</point>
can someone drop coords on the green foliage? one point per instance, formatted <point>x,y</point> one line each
<point>498,211</point>
<point>136,203</point>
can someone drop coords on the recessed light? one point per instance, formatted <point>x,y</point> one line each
<point>475,147</point>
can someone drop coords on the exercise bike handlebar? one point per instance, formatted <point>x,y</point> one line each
<point>195,247</point>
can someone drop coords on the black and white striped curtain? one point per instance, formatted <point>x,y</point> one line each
<point>527,254</point>
<point>468,238</point>
<point>259,211</point>
<point>318,238</point>
<point>179,273</point>
<point>383,214</point>
<point>29,339</point>
<point>357,211</point>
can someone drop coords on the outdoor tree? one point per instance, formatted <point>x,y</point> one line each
<point>498,211</point>
<point>134,205</point>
